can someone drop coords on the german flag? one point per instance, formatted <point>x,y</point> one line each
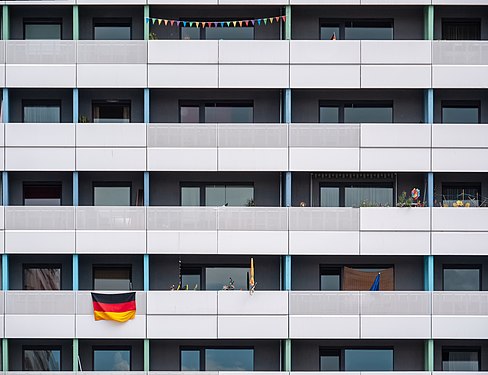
<point>119,307</point>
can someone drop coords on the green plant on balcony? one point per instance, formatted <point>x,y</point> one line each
<point>83,119</point>
<point>153,36</point>
<point>404,200</point>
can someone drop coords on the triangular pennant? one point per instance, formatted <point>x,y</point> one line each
<point>147,19</point>
<point>247,22</point>
<point>234,23</point>
<point>277,19</point>
<point>203,25</point>
<point>154,20</point>
<point>172,22</point>
<point>228,23</point>
<point>159,22</point>
<point>240,23</point>
<point>191,24</point>
<point>259,21</point>
<point>184,23</point>
<point>265,20</point>
<point>177,23</point>
<point>215,24</point>
<point>252,21</point>
<point>283,18</point>
<point>221,24</point>
<point>270,19</point>
<point>197,23</point>
<point>165,22</point>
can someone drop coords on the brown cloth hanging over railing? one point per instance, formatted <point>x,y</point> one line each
<point>355,279</point>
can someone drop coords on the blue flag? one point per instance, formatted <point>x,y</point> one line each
<point>376,283</point>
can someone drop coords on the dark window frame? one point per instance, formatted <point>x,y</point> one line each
<point>39,102</point>
<point>113,348</point>
<point>202,104</point>
<point>461,104</point>
<point>459,21</point>
<point>343,104</point>
<point>456,266</point>
<point>108,21</point>
<point>203,185</point>
<point>26,266</point>
<point>343,185</point>
<point>42,347</point>
<point>202,349</point>
<point>468,349</point>
<point>203,30</point>
<point>342,23</point>
<point>42,21</point>
<point>332,350</point>
<point>112,103</point>
<point>342,353</point>
<point>200,269</point>
<point>96,184</point>
<point>104,266</point>
<point>42,184</point>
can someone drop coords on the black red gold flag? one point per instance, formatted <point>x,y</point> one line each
<point>120,307</point>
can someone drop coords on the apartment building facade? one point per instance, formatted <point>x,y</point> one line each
<point>328,140</point>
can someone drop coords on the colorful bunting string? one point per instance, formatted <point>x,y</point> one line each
<point>203,24</point>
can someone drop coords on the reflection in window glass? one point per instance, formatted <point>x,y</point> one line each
<point>330,360</point>
<point>460,115</point>
<point>42,360</point>
<point>462,279</point>
<point>42,195</point>
<point>42,278</point>
<point>329,114</point>
<point>368,359</point>
<point>368,196</point>
<point>111,360</point>
<point>229,195</point>
<point>112,32</point>
<point>189,114</point>
<point>111,196</point>
<point>112,278</point>
<point>330,280</point>
<point>190,33</point>
<point>217,277</point>
<point>190,360</point>
<point>190,196</point>
<point>228,113</point>
<point>42,113</point>
<point>229,360</point>
<point>105,112</point>
<point>327,32</point>
<point>192,280</point>
<point>51,31</point>
<point>363,113</point>
<point>460,360</point>
<point>369,30</point>
<point>329,196</point>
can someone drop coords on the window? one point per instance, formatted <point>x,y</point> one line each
<point>41,358</point>
<point>217,195</point>
<point>463,277</point>
<point>112,194</point>
<point>111,111</point>
<point>112,359</point>
<point>356,195</point>
<point>214,278</point>
<point>330,360</point>
<point>41,111</point>
<point>49,28</point>
<point>469,195</point>
<point>356,112</point>
<point>461,29</point>
<point>112,29</point>
<point>330,279</point>
<point>191,278</point>
<point>40,194</point>
<point>368,360</point>
<point>217,33</point>
<point>112,278</point>
<point>362,278</point>
<point>214,112</point>
<point>41,277</point>
<point>360,29</point>
<point>217,359</point>
<point>461,112</point>
<point>461,359</point>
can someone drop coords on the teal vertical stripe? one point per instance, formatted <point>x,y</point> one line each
<point>5,23</point>
<point>430,189</point>
<point>146,272</point>
<point>76,23</point>
<point>146,24</point>
<point>75,355</point>
<point>5,276</point>
<point>429,273</point>
<point>75,189</point>
<point>75,272</point>
<point>146,355</point>
<point>429,22</point>
<point>5,106</point>
<point>76,111</point>
<point>287,355</point>
<point>146,105</point>
<point>146,188</point>
<point>5,193</point>
<point>287,272</point>
<point>288,189</point>
<point>5,355</point>
<point>429,106</point>
<point>429,355</point>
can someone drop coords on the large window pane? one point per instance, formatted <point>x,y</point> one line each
<point>106,112</point>
<point>357,113</point>
<point>111,195</point>
<point>460,360</point>
<point>369,30</point>
<point>229,195</point>
<point>190,196</point>
<point>215,196</point>
<point>329,196</point>
<point>228,113</point>
<point>368,196</point>
<point>454,29</point>
<point>112,29</point>
<point>190,360</point>
<point>111,360</point>
<point>330,360</point>
<point>460,115</point>
<point>462,279</point>
<point>39,113</point>
<point>112,278</point>
<point>42,278</point>
<point>218,277</point>
<point>42,195</point>
<point>42,31</point>
<point>330,279</point>
<point>189,114</point>
<point>329,114</point>
<point>368,359</point>
<point>229,360</point>
<point>328,32</point>
<point>42,360</point>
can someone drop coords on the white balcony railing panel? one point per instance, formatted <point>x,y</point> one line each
<point>458,2</point>
<point>447,136</point>
<point>462,219</point>
<point>112,51</point>
<point>459,76</point>
<point>464,52</point>
<point>253,327</point>
<point>39,241</point>
<point>462,160</point>
<point>324,327</point>
<point>254,76</point>
<point>449,243</point>
<point>323,219</point>
<point>111,135</point>
<point>460,303</point>
<point>324,51</point>
<point>396,52</point>
<point>111,159</point>
<point>39,135</point>
<point>39,218</point>
<point>182,327</point>
<point>324,159</point>
<point>182,135</point>
<point>394,218</point>
<point>252,159</point>
<point>40,52</point>
<point>254,51</point>
<point>395,135</point>
<point>39,326</point>
<point>396,327</point>
<point>182,159</point>
<point>40,76</point>
<point>395,159</point>
<point>183,76</point>
<point>396,303</point>
<point>258,303</point>
<point>323,243</point>
<point>265,242</point>
<point>111,218</point>
<point>324,135</point>
<point>111,242</point>
<point>182,242</point>
<point>111,75</point>
<point>254,136</point>
<point>324,303</point>
<point>183,51</point>
<point>39,159</point>
<point>396,76</point>
<point>39,302</point>
<point>460,327</point>
<point>252,219</point>
<point>395,243</point>
<point>183,302</point>
<point>325,76</point>
<point>2,52</point>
